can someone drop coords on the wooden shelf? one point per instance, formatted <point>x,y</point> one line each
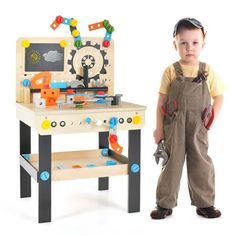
<point>63,162</point>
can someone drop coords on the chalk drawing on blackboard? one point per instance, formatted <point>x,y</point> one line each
<point>44,57</point>
<point>35,57</point>
<point>52,56</point>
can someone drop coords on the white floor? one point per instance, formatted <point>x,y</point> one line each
<point>78,208</point>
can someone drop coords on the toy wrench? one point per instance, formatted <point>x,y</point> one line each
<point>161,153</point>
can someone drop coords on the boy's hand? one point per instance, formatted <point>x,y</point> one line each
<point>158,135</point>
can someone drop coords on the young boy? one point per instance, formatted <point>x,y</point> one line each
<point>184,115</point>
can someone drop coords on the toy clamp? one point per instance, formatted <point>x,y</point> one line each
<point>161,153</point>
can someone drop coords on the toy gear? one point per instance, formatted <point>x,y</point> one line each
<point>88,55</point>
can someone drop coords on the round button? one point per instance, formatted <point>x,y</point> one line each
<point>88,120</point>
<point>54,124</point>
<point>45,124</point>
<point>135,168</point>
<point>113,122</point>
<point>26,83</point>
<point>25,43</point>
<point>121,120</point>
<point>99,122</point>
<point>63,43</point>
<point>63,123</point>
<point>137,120</point>
<point>129,120</point>
<point>44,176</point>
<point>105,151</point>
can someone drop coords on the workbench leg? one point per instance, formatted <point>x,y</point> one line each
<point>103,183</point>
<point>25,148</point>
<point>134,171</point>
<point>44,178</point>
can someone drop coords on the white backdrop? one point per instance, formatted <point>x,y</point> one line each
<point>143,48</point>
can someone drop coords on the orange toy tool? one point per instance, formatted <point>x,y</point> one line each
<point>114,144</point>
<point>41,80</point>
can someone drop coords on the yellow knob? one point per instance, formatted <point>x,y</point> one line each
<point>73,22</point>
<point>137,120</point>
<point>25,43</point>
<point>75,33</point>
<point>63,43</point>
<point>45,124</point>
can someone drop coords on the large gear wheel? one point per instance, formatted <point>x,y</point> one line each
<point>91,56</point>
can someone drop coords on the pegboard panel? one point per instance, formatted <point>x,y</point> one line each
<point>65,63</point>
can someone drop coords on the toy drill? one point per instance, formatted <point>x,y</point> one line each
<point>161,153</point>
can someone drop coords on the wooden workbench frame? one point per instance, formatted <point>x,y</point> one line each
<point>44,159</point>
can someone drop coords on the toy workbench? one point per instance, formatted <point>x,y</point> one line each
<point>63,87</point>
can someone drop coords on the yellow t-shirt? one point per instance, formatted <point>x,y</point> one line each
<point>214,83</point>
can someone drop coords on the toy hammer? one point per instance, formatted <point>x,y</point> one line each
<point>161,153</point>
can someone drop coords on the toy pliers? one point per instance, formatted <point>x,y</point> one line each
<point>161,153</point>
<point>171,110</point>
<point>208,111</point>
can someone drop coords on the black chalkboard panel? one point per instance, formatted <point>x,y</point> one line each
<point>44,57</point>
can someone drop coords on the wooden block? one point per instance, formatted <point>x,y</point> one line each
<point>50,93</point>
<point>95,26</point>
<point>54,25</point>
<point>26,95</point>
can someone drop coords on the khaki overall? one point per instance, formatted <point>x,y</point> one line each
<point>186,136</point>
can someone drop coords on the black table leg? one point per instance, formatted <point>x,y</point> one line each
<point>134,171</point>
<point>44,178</point>
<point>103,182</point>
<point>25,148</point>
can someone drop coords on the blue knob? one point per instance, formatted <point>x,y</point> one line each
<point>26,83</point>
<point>135,168</point>
<point>113,122</point>
<point>105,151</point>
<point>44,176</point>
<point>88,120</point>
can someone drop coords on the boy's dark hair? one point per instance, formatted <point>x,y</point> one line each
<point>188,23</point>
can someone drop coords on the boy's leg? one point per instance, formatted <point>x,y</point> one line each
<point>169,180</point>
<point>200,169</point>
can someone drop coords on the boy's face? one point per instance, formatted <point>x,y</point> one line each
<point>189,44</point>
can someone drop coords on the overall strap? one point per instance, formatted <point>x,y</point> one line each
<point>178,70</point>
<point>202,69</point>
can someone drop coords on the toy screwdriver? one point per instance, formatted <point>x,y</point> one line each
<point>161,153</point>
